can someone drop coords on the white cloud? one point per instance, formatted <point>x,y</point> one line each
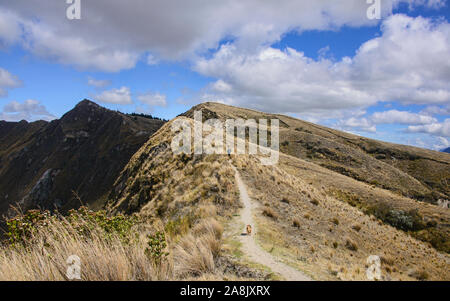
<point>441,129</point>
<point>441,144</point>
<point>401,117</point>
<point>153,99</point>
<point>57,42</point>
<point>436,110</point>
<point>368,124</point>
<point>98,83</point>
<point>152,60</point>
<point>10,30</point>
<point>362,124</point>
<point>7,81</point>
<point>167,29</point>
<point>120,96</point>
<point>28,110</point>
<point>221,86</point>
<point>288,78</point>
<point>399,66</point>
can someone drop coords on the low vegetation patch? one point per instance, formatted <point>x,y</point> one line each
<point>410,221</point>
<point>117,247</point>
<point>357,228</point>
<point>335,221</point>
<point>23,228</point>
<point>269,212</point>
<point>351,245</point>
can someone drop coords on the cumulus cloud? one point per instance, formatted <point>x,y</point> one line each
<point>441,144</point>
<point>7,81</point>
<point>153,99</point>
<point>120,96</point>
<point>362,124</point>
<point>437,110</point>
<point>28,110</point>
<point>152,60</point>
<point>401,117</point>
<point>441,129</point>
<point>58,42</point>
<point>98,83</point>
<point>399,65</point>
<point>368,124</point>
<point>168,29</point>
<point>293,81</point>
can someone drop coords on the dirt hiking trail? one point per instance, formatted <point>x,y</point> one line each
<point>249,245</point>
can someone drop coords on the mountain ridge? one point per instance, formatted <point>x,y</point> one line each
<point>331,148</point>
<point>51,164</point>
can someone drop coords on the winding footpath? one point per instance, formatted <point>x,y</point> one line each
<point>249,246</point>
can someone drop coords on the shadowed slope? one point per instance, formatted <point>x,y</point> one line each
<point>84,151</point>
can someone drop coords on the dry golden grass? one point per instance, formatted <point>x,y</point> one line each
<point>44,256</point>
<point>101,259</point>
<point>331,239</point>
<point>158,183</point>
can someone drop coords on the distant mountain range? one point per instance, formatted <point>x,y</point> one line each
<point>446,150</point>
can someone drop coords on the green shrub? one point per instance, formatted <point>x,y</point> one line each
<point>439,239</point>
<point>21,228</point>
<point>404,220</point>
<point>85,220</point>
<point>180,226</point>
<point>156,247</point>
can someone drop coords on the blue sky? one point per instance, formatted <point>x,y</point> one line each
<point>386,79</point>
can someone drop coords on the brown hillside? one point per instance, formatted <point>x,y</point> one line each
<point>413,172</point>
<point>321,220</point>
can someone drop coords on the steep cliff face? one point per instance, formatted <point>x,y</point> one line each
<point>70,160</point>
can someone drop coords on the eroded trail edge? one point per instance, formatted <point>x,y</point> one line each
<point>249,246</point>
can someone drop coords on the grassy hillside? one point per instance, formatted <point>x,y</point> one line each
<point>316,218</point>
<point>413,172</point>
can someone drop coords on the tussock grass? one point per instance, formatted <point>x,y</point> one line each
<point>269,212</point>
<point>42,255</point>
<point>321,243</point>
<point>196,252</point>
